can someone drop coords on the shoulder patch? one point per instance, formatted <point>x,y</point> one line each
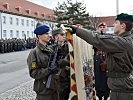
<point>33,65</point>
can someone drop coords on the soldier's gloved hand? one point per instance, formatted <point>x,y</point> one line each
<point>63,63</point>
<point>73,28</point>
<point>53,70</point>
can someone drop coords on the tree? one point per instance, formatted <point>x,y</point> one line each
<point>94,21</point>
<point>72,13</point>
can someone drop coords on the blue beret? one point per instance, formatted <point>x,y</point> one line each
<point>41,29</point>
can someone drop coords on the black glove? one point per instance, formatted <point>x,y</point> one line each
<point>73,27</point>
<point>63,63</point>
<point>53,70</point>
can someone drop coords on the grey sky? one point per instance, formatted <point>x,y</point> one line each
<point>47,3</point>
<point>95,7</point>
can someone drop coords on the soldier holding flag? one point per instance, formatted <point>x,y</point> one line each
<point>119,58</point>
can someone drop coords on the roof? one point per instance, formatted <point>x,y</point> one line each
<point>26,8</point>
<point>109,20</point>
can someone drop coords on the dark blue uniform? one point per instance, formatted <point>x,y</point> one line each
<point>101,86</point>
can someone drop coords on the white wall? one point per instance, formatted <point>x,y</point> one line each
<point>0,25</point>
<point>13,28</point>
<point>9,26</point>
<point>110,30</point>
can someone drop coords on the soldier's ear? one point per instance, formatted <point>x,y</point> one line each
<point>123,26</point>
<point>56,36</point>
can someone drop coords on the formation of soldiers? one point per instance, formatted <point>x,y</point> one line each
<point>11,45</point>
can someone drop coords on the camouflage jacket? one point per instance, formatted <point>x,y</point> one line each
<point>119,58</point>
<point>37,62</point>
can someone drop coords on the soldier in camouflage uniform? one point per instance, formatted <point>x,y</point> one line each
<point>63,61</point>
<point>5,46</point>
<point>119,58</point>
<point>0,46</point>
<point>38,60</point>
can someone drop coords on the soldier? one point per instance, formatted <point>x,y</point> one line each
<point>0,46</point>
<point>38,61</point>
<point>11,41</point>
<point>119,58</point>
<point>102,28</point>
<point>15,44</point>
<point>5,46</point>
<point>63,60</point>
<point>102,90</point>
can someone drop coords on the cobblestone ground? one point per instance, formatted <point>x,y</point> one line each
<point>22,92</point>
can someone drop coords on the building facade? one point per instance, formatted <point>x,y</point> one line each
<point>18,18</point>
<point>109,20</point>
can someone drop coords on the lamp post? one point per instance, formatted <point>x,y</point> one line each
<point>1,24</point>
<point>117,7</point>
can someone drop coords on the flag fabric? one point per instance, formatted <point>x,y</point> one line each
<point>81,69</point>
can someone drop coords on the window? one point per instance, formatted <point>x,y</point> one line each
<point>28,34</point>
<point>27,22</point>
<point>22,22</point>
<point>11,20</point>
<point>17,34</point>
<point>4,19</point>
<point>32,33</point>
<point>23,34</point>
<point>17,21</point>
<point>32,23</point>
<point>11,33</point>
<point>4,33</point>
<point>112,29</point>
<point>50,24</point>
<point>107,29</point>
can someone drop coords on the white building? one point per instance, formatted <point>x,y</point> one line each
<point>109,20</point>
<point>20,21</point>
<point>14,26</point>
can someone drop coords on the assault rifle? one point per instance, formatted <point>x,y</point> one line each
<point>51,65</point>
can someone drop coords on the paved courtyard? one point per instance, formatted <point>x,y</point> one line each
<point>22,92</point>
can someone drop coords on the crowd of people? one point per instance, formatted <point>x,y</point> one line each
<point>49,62</point>
<point>14,44</point>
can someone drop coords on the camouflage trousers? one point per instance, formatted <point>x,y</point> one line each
<point>121,96</point>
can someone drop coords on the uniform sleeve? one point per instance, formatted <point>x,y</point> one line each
<point>34,70</point>
<point>107,43</point>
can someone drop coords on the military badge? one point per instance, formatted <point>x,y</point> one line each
<point>33,65</point>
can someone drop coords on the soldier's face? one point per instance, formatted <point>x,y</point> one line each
<point>44,37</point>
<point>117,27</point>
<point>61,38</point>
<point>102,28</point>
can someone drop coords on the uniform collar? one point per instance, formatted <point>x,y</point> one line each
<point>44,47</point>
<point>126,34</point>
